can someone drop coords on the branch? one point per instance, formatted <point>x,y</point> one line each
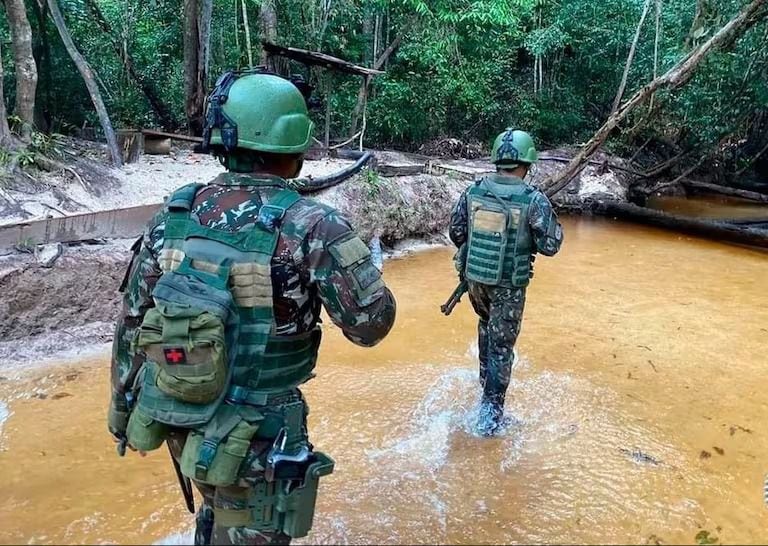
<point>674,78</point>
<point>630,57</point>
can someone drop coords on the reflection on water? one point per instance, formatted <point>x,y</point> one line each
<point>711,206</point>
<point>638,406</point>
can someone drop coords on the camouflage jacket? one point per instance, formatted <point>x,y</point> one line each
<point>305,271</point>
<point>546,231</point>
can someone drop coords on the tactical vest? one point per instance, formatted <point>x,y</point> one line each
<point>209,339</point>
<point>500,248</point>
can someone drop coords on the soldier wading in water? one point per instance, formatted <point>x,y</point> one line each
<point>499,225</point>
<point>220,320</point>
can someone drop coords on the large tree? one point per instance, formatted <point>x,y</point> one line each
<point>24,61</point>
<point>6,137</point>
<point>90,82</point>
<point>197,37</point>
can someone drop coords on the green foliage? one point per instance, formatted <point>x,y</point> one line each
<point>464,69</point>
<point>372,182</point>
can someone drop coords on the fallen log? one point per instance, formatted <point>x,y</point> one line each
<point>713,229</point>
<point>745,221</point>
<point>151,133</point>
<point>399,170</point>
<point>725,190</point>
<point>593,162</point>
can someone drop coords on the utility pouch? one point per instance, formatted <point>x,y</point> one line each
<point>189,346</point>
<point>185,333</point>
<point>488,223</point>
<point>144,433</point>
<point>217,463</point>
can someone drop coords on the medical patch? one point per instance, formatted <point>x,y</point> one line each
<point>175,355</point>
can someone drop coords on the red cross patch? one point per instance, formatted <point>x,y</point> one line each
<point>175,355</point>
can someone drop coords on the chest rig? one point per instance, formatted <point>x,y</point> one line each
<point>500,247</point>
<point>209,339</point>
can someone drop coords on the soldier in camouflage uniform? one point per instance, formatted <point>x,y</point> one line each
<point>318,261</point>
<point>499,224</point>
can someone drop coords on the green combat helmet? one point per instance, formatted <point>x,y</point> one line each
<point>257,111</point>
<point>512,148</point>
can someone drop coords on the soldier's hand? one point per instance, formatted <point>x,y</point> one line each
<point>117,439</point>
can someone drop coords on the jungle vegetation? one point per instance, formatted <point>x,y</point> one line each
<point>455,72</point>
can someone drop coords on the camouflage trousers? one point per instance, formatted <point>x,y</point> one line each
<point>236,497</point>
<point>501,313</point>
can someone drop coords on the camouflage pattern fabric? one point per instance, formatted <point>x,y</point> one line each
<point>305,277</point>
<point>500,309</point>
<point>501,313</point>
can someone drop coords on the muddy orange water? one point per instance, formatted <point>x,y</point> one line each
<point>709,206</point>
<point>641,401</point>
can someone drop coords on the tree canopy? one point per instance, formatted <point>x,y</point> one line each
<point>461,69</point>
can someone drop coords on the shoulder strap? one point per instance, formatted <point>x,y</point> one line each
<point>182,198</point>
<point>264,237</point>
<point>177,210</point>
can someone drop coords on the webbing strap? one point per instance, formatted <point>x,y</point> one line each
<point>223,422</point>
<point>183,198</point>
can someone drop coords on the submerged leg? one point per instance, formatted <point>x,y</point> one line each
<point>504,322</point>
<point>482,345</point>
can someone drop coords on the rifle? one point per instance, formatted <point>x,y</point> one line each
<point>461,289</point>
<point>184,483</point>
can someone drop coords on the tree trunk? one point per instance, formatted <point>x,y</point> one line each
<point>368,57</point>
<point>674,78</point>
<point>268,16</point>
<point>24,60</point>
<point>328,106</point>
<point>237,30</point>
<point>656,40</point>
<point>630,57</point>
<point>197,25</point>
<point>362,95</point>
<point>326,6</point>
<point>90,81</point>
<point>159,107</point>
<point>247,27</point>
<point>6,137</point>
<point>42,50</point>
<point>724,190</point>
<point>698,26</point>
<point>204,41</point>
<point>713,229</point>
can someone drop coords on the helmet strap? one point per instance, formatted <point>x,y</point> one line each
<point>216,118</point>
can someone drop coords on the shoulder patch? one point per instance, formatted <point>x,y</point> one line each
<point>349,251</point>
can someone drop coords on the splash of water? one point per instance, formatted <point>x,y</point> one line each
<point>5,413</point>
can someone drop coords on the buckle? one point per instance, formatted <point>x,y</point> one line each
<point>205,456</point>
<point>237,394</point>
